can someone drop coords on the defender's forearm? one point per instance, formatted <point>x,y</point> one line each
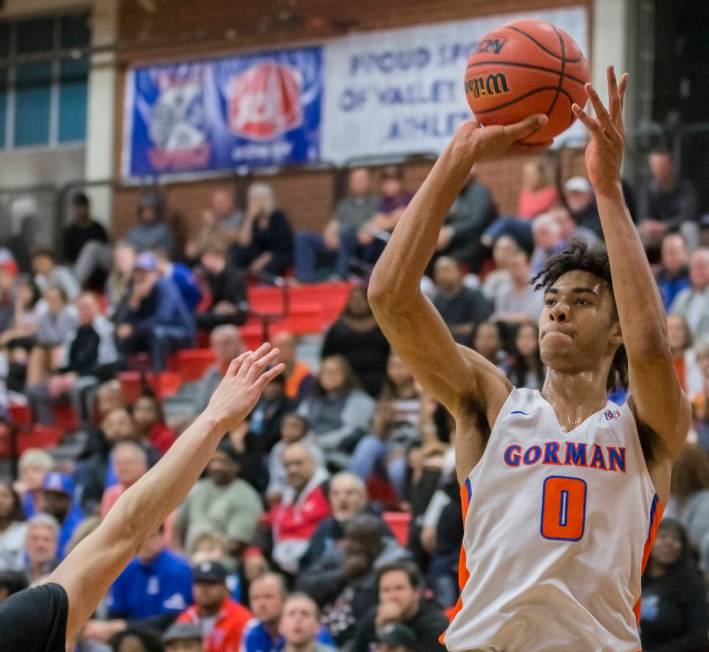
<point>642,317</point>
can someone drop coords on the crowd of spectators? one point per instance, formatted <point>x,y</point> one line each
<point>288,541</point>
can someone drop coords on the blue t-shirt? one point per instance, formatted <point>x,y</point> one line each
<point>257,639</point>
<point>74,517</point>
<point>160,586</point>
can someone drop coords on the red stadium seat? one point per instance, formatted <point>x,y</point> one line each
<point>192,363</point>
<point>21,415</point>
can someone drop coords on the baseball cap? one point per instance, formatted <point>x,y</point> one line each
<point>577,184</point>
<point>146,261</point>
<point>182,632</point>
<point>59,482</point>
<point>209,571</point>
<point>397,635</point>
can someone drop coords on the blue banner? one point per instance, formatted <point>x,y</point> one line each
<point>254,110</point>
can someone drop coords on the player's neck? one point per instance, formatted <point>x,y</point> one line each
<point>574,396</point>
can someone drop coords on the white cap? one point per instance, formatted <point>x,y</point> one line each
<point>577,184</point>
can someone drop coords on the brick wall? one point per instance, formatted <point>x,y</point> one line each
<point>189,28</point>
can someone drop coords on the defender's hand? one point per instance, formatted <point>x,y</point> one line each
<point>604,153</point>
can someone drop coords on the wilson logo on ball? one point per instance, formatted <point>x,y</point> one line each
<point>491,45</point>
<point>493,84</point>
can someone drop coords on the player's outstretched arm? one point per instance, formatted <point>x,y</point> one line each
<point>408,319</point>
<point>94,564</point>
<point>656,393</point>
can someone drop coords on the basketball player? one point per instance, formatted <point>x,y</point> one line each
<point>562,489</point>
<point>47,618</point>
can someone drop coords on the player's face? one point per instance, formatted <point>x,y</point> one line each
<point>578,327</point>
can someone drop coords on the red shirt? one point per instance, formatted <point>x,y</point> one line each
<point>161,437</point>
<point>228,626</point>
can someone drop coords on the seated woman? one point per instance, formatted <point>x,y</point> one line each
<point>395,427</point>
<point>150,422</point>
<point>265,239</point>
<point>673,610</point>
<point>121,273</point>
<point>337,410</point>
<point>525,368</point>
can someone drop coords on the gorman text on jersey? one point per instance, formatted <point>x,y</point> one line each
<point>555,453</point>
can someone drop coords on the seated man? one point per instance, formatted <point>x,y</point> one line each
<point>152,591</point>
<point>693,302</point>
<point>85,242</point>
<point>673,276</point>
<point>41,547</point>
<point>89,356</point>
<point>298,377</point>
<point>183,637</point>
<point>182,276</point>
<point>338,238</point>
<point>401,603</point>
<point>153,317</point>
<point>547,240</point>
<point>461,307</point>
<point>222,620</point>
<point>58,501</point>
<point>582,204</point>
<point>300,624</point>
<point>227,302</point>
<point>46,273</point>
<point>519,301</point>
<point>222,502</point>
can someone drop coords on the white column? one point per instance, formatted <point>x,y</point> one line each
<point>101,108</point>
<point>611,20</point>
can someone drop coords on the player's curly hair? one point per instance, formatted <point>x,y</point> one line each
<point>578,256</point>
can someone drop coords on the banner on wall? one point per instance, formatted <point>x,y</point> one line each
<point>401,91</point>
<point>253,111</point>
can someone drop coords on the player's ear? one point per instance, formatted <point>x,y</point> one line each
<point>615,333</point>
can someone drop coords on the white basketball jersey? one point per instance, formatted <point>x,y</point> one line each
<point>558,528</point>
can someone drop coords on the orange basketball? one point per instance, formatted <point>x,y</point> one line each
<point>526,67</point>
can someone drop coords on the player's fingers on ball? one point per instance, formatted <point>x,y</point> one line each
<point>526,127</point>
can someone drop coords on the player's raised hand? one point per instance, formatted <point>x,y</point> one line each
<point>495,141</point>
<point>242,385</point>
<point>604,152</point>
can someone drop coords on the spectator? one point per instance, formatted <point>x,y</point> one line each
<point>265,241</point>
<point>131,640</point>
<point>488,343</point>
<point>183,637</point>
<point>472,212</point>
<point>181,276</point>
<point>151,230</point>
<point>570,230</point>
<point>669,202</point>
<point>152,591</point>
<point>547,240</point>
<point>150,422</point>
<point>11,582</point>
<point>222,502</point>
<point>693,302</point>
<point>357,337</point>
<point>41,547</point>
<point>222,620</point>
<point>400,602</point>
<point>293,428</point>
<point>683,356</point>
<point>303,506</point>
<point>300,625</point>
<point>265,420</point>
<point>58,501</point>
<point>267,595</point>
<point>374,233</point>
<point>130,462</point>
<point>394,427</point>
<point>88,356</point>
<point>82,229</point>
<point>8,275</point>
<point>689,494</point>
<point>33,465</point>
<point>673,610</point>
<point>54,325</point>
<point>582,204</point>
<point>299,380</point>
<point>519,302</point>
<point>337,411</point>
<point>47,273</point>
<point>525,368</point>
<point>395,638</point>
<point>26,312</point>
<point>212,546</point>
<point>538,193</point>
<point>343,581</point>
<point>154,317</point>
<point>118,281</point>
<point>461,307</point>
<point>13,529</point>
<point>672,277</point>
<point>348,498</point>
<point>226,301</point>
<point>503,251</point>
<point>338,238</point>
<point>220,223</point>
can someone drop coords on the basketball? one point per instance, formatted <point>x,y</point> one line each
<point>526,67</point>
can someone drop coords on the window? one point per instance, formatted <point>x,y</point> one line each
<point>44,68</point>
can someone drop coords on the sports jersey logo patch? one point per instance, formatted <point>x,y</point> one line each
<point>611,414</point>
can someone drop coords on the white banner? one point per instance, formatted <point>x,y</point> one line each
<point>401,91</point>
